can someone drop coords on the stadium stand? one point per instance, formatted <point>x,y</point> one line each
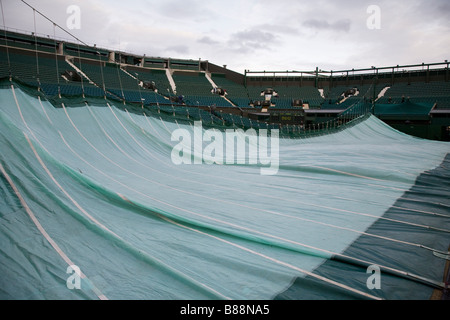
<point>196,89</point>
<point>431,92</point>
<point>71,69</point>
<point>92,172</point>
<point>235,92</point>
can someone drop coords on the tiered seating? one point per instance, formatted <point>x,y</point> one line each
<point>101,75</point>
<point>334,97</point>
<point>243,122</point>
<point>23,67</point>
<point>236,93</point>
<point>45,72</point>
<point>421,92</point>
<point>184,65</point>
<point>158,77</point>
<point>192,113</point>
<point>92,53</point>
<point>335,94</point>
<point>192,83</point>
<point>232,119</point>
<point>311,96</point>
<point>196,89</point>
<point>28,42</point>
<point>286,94</point>
<point>53,83</point>
<point>125,85</point>
<point>364,91</point>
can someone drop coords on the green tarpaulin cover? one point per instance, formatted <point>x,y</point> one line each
<point>93,206</point>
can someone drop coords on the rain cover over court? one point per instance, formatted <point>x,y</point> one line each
<point>94,186</point>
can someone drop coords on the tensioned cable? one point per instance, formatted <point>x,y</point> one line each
<point>118,76</point>
<point>6,42</point>
<point>36,50</point>
<point>43,15</point>
<point>64,30</point>
<point>101,72</point>
<point>139,89</point>
<point>81,76</point>
<point>56,59</point>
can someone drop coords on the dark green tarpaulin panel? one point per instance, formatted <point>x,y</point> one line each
<point>97,188</point>
<point>423,205</point>
<point>406,108</point>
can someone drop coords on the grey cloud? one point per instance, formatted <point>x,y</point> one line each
<point>340,25</point>
<point>179,49</point>
<point>249,40</point>
<point>192,10</point>
<point>276,28</point>
<point>436,11</point>
<point>253,37</point>
<point>208,40</point>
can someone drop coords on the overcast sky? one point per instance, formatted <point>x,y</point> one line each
<point>256,35</point>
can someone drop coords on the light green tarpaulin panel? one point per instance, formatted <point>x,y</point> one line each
<point>96,187</point>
